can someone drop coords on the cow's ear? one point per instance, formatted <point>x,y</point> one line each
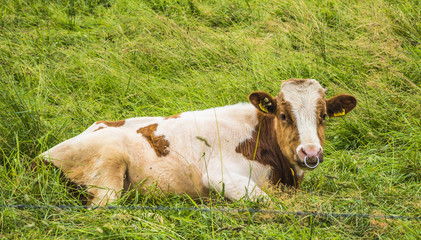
<point>263,102</point>
<point>340,105</point>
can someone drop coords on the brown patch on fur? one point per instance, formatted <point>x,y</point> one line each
<point>321,120</point>
<point>268,151</point>
<point>99,129</point>
<point>282,128</point>
<point>158,143</point>
<point>112,123</point>
<point>173,116</point>
<point>287,131</point>
<point>296,81</point>
<point>288,136</point>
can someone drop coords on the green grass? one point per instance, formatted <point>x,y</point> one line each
<point>66,64</point>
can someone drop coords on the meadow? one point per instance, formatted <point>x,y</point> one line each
<point>66,64</point>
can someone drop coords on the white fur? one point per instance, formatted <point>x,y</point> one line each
<point>202,150</point>
<point>218,166</point>
<point>303,99</point>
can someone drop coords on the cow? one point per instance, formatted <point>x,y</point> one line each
<point>235,150</point>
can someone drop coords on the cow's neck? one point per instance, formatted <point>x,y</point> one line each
<point>268,152</point>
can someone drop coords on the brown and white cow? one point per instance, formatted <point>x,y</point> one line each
<point>235,149</point>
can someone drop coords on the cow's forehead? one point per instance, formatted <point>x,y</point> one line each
<point>302,93</point>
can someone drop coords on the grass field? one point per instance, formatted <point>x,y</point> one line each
<point>66,64</point>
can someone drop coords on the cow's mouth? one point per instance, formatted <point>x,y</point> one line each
<point>310,162</point>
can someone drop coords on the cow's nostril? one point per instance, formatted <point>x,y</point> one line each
<point>310,154</point>
<point>311,151</point>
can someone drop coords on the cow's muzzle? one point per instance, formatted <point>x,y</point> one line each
<point>316,162</point>
<point>310,155</point>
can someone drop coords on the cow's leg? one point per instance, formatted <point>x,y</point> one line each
<point>104,176</point>
<point>107,188</point>
<point>234,186</point>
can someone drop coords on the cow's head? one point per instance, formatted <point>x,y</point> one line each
<point>300,111</point>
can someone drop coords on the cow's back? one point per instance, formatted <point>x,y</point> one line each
<point>171,153</point>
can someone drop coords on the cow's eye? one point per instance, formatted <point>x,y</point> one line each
<point>324,116</point>
<point>283,117</point>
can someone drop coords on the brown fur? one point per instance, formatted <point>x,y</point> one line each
<point>158,143</point>
<point>112,123</point>
<point>268,151</point>
<point>279,137</point>
<point>261,99</point>
<point>288,136</point>
<point>173,116</point>
<point>99,129</point>
<point>321,125</point>
<point>339,102</point>
<point>296,81</point>
<point>108,169</point>
<point>287,130</point>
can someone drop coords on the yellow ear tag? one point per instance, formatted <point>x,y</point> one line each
<point>263,108</point>
<point>338,114</point>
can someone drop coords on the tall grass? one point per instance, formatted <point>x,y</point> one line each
<point>66,64</point>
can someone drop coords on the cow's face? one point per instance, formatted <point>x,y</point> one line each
<point>300,111</point>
